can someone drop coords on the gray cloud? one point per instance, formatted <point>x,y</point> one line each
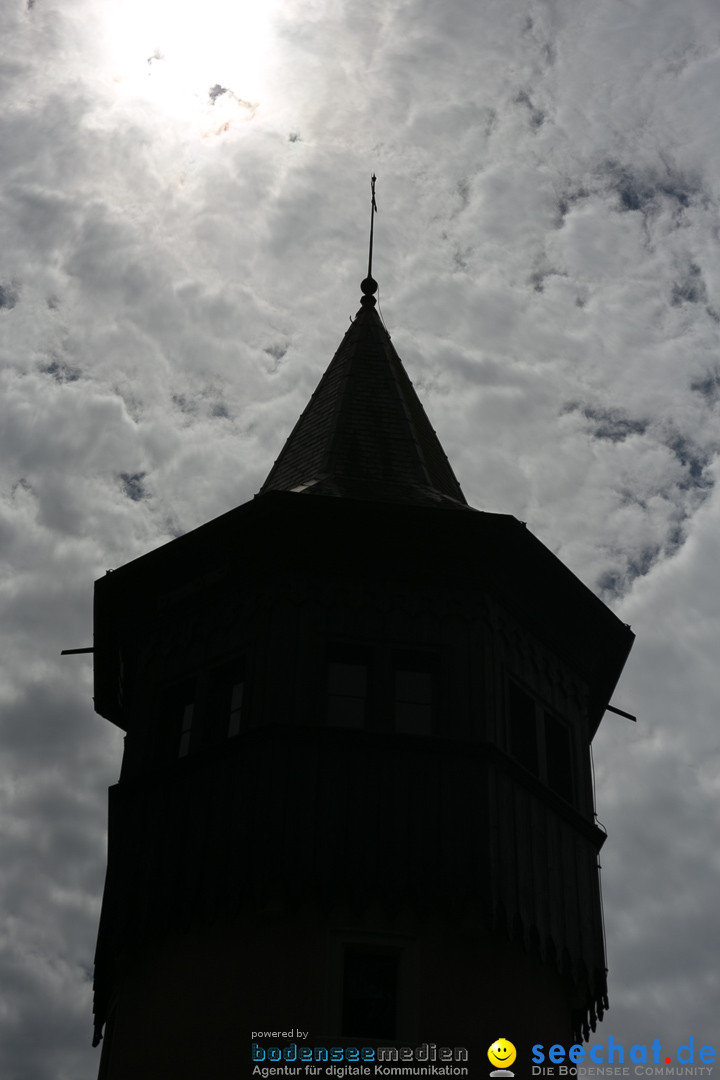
<point>61,371</point>
<point>611,424</point>
<point>133,486</point>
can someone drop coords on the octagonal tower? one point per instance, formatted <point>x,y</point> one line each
<point>355,798</point>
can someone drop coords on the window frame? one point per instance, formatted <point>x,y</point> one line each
<point>347,654</point>
<point>382,662</point>
<point>415,662</point>
<point>545,719</point>
<point>202,711</point>
<point>387,1028</point>
<point>339,940</point>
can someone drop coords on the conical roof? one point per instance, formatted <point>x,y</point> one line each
<point>364,433</point>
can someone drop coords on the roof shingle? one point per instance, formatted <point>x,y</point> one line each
<point>364,433</point>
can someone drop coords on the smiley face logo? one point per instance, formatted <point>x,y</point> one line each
<point>502,1053</point>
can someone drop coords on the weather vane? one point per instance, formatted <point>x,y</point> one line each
<point>369,285</point>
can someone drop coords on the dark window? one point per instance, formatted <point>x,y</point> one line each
<point>200,713</point>
<point>225,712</point>
<point>413,693</point>
<point>120,680</point>
<point>380,689</point>
<point>541,742</point>
<point>186,729</point>
<point>370,987</point>
<point>523,728</point>
<point>175,725</point>
<point>229,699</point>
<point>558,757</point>
<point>235,714</point>
<point>347,685</point>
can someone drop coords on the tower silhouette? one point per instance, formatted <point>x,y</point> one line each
<point>355,805</point>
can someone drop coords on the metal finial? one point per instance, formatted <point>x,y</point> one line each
<point>369,285</point>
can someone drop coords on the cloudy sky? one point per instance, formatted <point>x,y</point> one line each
<point>183,225</point>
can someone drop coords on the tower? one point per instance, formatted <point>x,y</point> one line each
<point>355,800</point>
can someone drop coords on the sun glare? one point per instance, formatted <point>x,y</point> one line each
<point>185,57</point>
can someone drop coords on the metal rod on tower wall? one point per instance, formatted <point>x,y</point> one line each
<point>621,712</point>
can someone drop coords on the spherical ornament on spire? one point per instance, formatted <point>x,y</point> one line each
<point>368,287</point>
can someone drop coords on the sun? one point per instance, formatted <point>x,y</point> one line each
<point>184,56</point>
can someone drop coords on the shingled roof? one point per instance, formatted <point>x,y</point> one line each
<point>364,433</point>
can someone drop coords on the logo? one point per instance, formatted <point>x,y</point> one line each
<point>502,1053</point>
<point>646,1059</point>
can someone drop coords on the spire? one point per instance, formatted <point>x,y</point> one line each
<point>364,433</point>
<point>369,285</point>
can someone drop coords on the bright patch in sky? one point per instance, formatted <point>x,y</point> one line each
<point>184,58</point>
